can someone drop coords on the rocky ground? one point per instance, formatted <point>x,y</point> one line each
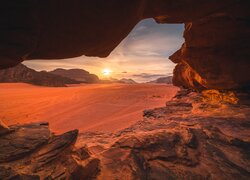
<point>195,136</point>
<point>31,151</point>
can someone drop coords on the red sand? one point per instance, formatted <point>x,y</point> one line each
<point>99,107</point>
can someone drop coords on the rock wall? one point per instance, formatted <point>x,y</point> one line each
<point>216,50</point>
<point>214,55</point>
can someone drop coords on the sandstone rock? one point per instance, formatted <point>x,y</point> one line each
<point>3,128</point>
<point>8,173</point>
<point>190,138</point>
<point>53,149</point>
<point>187,139</point>
<point>87,170</point>
<point>23,141</point>
<point>83,153</point>
<point>213,45</point>
<point>31,151</point>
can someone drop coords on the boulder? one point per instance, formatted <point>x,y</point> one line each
<point>31,151</point>
<point>3,128</point>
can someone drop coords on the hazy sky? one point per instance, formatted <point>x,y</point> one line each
<point>142,55</point>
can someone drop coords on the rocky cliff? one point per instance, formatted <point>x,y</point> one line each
<point>21,73</point>
<point>215,53</point>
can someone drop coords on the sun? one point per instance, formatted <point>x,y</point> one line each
<point>106,72</point>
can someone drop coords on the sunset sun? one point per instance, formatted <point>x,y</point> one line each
<point>106,72</point>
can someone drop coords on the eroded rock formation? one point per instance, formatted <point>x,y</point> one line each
<point>31,151</point>
<point>215,53</point>
<point>194,137</point>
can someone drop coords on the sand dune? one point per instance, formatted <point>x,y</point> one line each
<point>99,107</point>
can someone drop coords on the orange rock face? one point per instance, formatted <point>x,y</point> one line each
<point>215,50</point>
<point>215,53</point>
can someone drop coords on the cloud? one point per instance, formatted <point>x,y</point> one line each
<point>151,39</point>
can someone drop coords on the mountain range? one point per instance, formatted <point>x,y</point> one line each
<point>55,78</point>
<point>76,74</point>
<point>114,80</point>
<point>21,73</point>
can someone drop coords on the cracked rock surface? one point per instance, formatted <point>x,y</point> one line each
<point>193,137</point>
<point>31,151</point>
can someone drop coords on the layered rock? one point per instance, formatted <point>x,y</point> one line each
<point>31,151</point>
<point>194,137</point>
<point>3,128</point>
<point>21,73</point>
<point>215,53</point>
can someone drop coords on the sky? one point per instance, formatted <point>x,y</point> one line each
<point>142,55</point>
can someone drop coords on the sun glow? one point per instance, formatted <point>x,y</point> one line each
<point>106,72</point>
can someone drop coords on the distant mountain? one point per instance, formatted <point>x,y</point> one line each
<point>127,81</point>
<point>163,80</point>
<point>21,73</point>
<point>76,74</point>
<point>114,80</point>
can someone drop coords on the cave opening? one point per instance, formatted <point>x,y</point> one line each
<point>140,63</point>
<point>56,127</point>
<point>141,56</point>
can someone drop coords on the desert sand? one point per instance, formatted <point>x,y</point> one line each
<point>97,107</point>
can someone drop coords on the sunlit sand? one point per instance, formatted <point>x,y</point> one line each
<point>99,107</point>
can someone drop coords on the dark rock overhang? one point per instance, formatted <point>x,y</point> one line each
<point>215,53</point>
